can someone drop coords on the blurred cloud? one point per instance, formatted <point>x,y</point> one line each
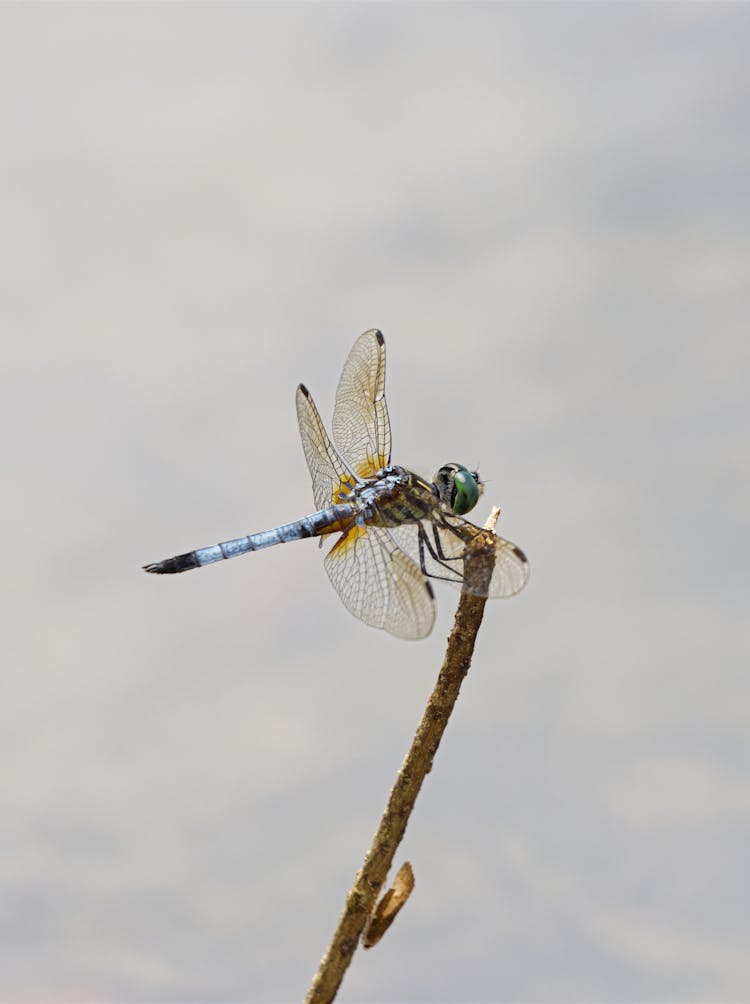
<point>545,208</point>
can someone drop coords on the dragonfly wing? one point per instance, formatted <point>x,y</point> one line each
<point>511,571</point>
<point>380,584</point>
<point>438,547</point>
<point>361,429</point>
<point>331,477</point>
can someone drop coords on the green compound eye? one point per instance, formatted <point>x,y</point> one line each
<point>458,487</point>
<point>466,491</point>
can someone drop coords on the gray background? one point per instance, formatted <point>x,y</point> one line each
<point>546,210</point>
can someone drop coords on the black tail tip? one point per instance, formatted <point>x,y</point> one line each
<point>169,566</point>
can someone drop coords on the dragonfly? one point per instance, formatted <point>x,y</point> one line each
<point>394,530</point>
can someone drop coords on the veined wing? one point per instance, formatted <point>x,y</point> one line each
<point>361,429</point>
<point>331,478</point>
<point>438,547</point>
<point>380,584</point>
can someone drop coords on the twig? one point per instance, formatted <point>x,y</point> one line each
<point>360,900</point>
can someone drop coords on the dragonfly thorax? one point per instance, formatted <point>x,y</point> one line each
<point>391,497</point>
<point>458,487</point>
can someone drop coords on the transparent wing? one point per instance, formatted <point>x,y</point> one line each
<point>331,477</point>
<point>438,548</point>
<point>380,584</point>
<point>361,429</point>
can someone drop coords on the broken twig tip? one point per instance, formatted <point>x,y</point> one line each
<point>492,519</point>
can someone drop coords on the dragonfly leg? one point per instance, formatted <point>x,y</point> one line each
<point>436,553</point>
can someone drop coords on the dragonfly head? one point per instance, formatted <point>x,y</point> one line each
<point>458,487</point>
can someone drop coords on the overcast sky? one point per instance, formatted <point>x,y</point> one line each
<point>546,211</point>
